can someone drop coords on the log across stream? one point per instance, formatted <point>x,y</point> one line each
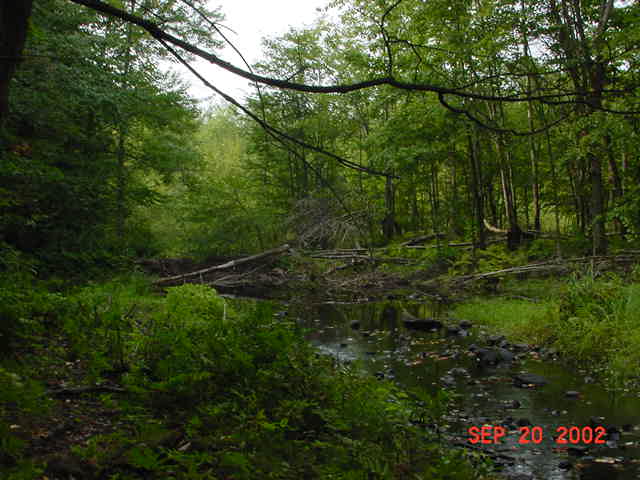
<point>494,397</point>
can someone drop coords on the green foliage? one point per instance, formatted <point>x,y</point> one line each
<point>100,320</point>
<point>253,398</point>
<point>94,123</point>
<point>26,308</point>
<point>216,207</point>
<point>521,320</point>
<point>19,397</point>
<point>494,257</point>
<point>598,320</point>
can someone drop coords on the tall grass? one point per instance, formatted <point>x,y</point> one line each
<point>520,320</point>
<point>593,321</point>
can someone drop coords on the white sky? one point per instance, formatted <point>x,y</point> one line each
<point>251,20</point>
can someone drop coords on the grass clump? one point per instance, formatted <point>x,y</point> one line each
<point>598,321</point>
<point>520,320</point>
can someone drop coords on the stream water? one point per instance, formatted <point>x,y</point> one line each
<point>485,395</point>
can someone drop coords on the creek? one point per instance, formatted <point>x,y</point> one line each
<point>375,335</point>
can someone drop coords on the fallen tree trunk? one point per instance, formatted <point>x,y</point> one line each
<point>550,266</point>
<point>67,392</point>
<point>422,239</point>
<point>224,266</point>
<point>462,244</point>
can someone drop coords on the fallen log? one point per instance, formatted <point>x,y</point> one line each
<point>224,266</point>
<point>493,229</point>
<point>461,244</point>
<point>552,265</point>
<point>67,392</point>
<point>422,239</point>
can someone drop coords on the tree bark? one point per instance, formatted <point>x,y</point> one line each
<point>14,22</point>
<point>476,176</point>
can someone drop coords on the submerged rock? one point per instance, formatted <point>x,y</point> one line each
<point>512,404</point>
<point>521,347</point>
<point>453,329</point>
<point>525,379</point>
<point>577,450</point>
<point>565,465</point>
<point>420,323</point>
<point>486,356</point>
<point>448,381</point>
<point>506,355</point>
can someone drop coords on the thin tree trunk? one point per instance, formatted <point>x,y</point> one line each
<point>14,21</point>
<point>617,191</point>
<point>533,157</point>
<point>554,186</point>
<point>476,177</point>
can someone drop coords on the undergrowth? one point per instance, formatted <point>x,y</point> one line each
<point>219,390</point>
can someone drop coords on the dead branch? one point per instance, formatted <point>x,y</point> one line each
<point>422,239</point>
<point>68,392</point>
<point>491,228</point>
<point>224,266</point>
<point>551,266</point>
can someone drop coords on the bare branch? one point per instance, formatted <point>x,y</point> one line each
<point>605,13</point>
<point>482,124</point>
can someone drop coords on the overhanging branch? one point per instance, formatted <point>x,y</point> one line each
<point>160,34</point>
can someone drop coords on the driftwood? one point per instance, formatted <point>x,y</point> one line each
<point>224,266</point>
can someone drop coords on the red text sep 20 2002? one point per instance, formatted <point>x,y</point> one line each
<point>493,434</point>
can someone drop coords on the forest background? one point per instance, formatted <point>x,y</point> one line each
<point>450,121</point>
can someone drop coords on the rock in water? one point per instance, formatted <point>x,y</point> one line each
<point>453,329</point>
<point>505,355</point>
<point>465,324</point>
<point>524,379</point>
<point>420,323</point>
<point>489,356</point>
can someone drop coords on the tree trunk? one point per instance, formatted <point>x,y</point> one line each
<point>476,177</point>
<point>617,190</point>
<point>14,22</point>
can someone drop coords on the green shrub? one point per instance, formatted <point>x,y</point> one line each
<point>25,307</point>
<point>19,396</point>
<point>100,321</point>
